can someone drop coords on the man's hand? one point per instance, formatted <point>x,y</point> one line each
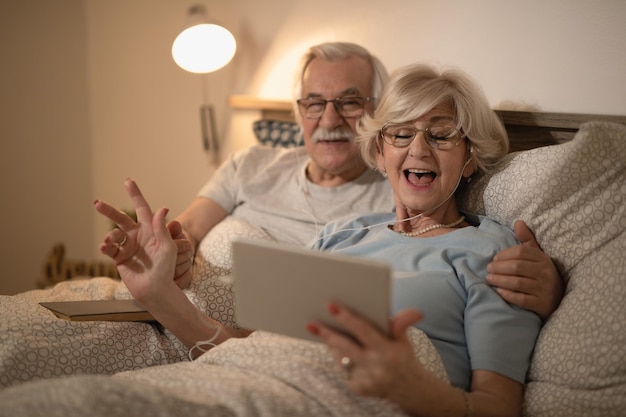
<point>524,275</point>
<point>184,256</point>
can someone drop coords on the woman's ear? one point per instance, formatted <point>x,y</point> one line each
<point>380,160</point>
<point>470,165</point>
<point>470,169</point>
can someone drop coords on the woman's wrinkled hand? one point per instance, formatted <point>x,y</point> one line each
<point>144,251</point>
<point>376,365</point>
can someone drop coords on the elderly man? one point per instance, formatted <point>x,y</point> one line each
<point>292,193</point>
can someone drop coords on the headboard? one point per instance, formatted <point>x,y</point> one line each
<point>530,129</point>
<point>526,129</point>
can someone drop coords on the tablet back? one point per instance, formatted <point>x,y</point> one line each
<point>281,289</point>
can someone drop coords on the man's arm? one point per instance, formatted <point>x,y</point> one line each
<point>524,275</point>
<point>199,218</point>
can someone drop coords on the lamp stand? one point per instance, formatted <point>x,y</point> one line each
<point>209,135</point>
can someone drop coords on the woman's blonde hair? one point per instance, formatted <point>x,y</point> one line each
<point>414,90</point>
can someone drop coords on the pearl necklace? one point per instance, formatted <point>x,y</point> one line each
<point>433,227</point>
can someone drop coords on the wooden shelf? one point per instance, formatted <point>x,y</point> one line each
<point>255,103</point>
<point>270,109</point>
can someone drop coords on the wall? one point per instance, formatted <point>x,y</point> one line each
<point>45,151</point>
<point>117,106</point>
<point>556,55</point>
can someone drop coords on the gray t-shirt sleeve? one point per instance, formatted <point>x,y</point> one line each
<point>223,187</point>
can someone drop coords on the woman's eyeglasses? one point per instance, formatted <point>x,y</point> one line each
<point>437,136</point>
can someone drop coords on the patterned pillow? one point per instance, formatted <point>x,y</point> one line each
<point>277,133</point>
<point>573,196</point>
<point>579,364</point>
<point>211,286</point>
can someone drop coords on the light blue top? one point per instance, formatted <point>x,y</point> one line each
<point>470,325</point>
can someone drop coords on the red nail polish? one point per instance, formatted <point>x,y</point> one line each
<point>333,309</point>
<point>313,329</point>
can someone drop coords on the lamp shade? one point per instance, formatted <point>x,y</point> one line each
<point>202,48</point>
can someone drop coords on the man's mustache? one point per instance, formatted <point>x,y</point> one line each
<point>335,134</point>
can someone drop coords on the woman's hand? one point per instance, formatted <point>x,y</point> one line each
<point>386,367</point>
<point>111,247</point>
<point>379,366</point>
<point>524,275</point>
<point>143,251</point>
<point>147,258</point>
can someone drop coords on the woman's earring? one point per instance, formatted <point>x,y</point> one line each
<point>384,172</point>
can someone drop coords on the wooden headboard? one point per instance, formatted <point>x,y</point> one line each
<point>529,129</point>
<point>526,129</point>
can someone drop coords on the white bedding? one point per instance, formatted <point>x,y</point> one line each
<point>34,344</point>
<point>262,375</point>
<point>265,374</point>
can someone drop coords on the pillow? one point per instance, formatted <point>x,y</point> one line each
<point>579,364</point>
<point>277,133</point>
<point>573,197</point>
<point>211,284</point>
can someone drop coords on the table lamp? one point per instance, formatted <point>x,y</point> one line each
<point>203,47</point>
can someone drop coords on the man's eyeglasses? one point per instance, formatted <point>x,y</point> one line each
<point>348,107</point>
<point>437,136</point>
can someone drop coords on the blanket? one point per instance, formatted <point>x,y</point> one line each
<point>34,344</point>
<point>262,375</point>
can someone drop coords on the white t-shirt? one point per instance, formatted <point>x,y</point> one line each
<point>268,188</point>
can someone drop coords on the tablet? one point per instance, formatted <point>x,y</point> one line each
<point>281,289</point>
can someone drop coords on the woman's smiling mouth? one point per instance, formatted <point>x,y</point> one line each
<point>419,176</point>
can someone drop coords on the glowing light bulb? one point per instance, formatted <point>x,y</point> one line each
<point>204,48</point>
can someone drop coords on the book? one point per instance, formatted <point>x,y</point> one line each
<point>99,310</point>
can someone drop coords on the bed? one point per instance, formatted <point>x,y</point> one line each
<point>565,176</point>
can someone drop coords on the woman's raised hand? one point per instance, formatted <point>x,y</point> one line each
<point>144,251</point>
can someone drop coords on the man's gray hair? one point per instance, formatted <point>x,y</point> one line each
<point>331,51</point>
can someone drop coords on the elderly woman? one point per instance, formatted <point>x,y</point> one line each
<point>430,133</point>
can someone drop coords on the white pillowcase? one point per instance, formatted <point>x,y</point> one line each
<point>573,197</point>
<point>211,285</point>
